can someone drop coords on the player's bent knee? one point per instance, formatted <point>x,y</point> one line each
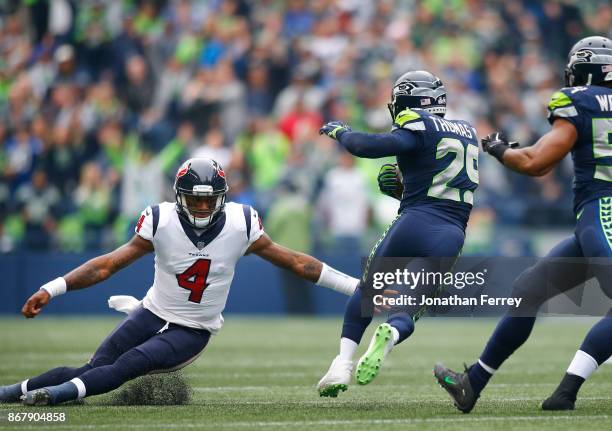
<point>531,287</point>
<point>99,360</point>
<point>132,364</point>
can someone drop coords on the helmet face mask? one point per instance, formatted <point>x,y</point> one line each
<point>200,188</point>
<point>589,62</point>
<point>418,89</point>
<point>200,209</point>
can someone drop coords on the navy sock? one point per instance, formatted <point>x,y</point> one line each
<point>354,324</point>
<point>56,376</point>
<point>403,323</point>
<point>64,392</point>
<point>479,377</point>
<point>511,332</point>
<point>598,342</point>
<point>10,393</point>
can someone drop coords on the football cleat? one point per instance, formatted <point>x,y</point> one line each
<point>458,387</point>
<point>559,401</point>
<point>10,394</point>
<point>564,397</point>
<point>37,397</point>
<point>336,379</point>
<point>369,365</point>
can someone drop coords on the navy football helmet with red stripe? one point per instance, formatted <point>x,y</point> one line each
<point>200,188</point>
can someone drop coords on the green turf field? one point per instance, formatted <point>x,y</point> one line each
<point>261,374</point>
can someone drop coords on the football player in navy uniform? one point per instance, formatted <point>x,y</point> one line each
<point>438,161</point>
<point>197,242</point>
<point>581,119</point>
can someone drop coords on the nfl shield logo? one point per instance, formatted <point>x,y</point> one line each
<point>200,245</point>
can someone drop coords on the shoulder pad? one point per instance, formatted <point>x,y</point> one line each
<point>409,119</point>
<point>559,99</point>
<point>405,116</point>
<point>561,104</point>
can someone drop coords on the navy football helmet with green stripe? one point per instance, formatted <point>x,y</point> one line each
<point>589,62</point>
<point>418,89</point>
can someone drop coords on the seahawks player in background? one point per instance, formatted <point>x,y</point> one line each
<point>581,119</point>
<point>438,160</point>
<point>197,242</point>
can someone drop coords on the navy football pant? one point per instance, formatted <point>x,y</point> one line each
<point>142,343</point>
<point>592,238</point>
<point>414,233</point>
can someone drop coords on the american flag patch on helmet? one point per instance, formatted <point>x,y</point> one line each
<point>606,68</point>
<point>425,102</point>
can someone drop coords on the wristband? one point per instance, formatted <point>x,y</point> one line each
<point>498,151</point>
<point>55,287</point>
<point>336,280</point>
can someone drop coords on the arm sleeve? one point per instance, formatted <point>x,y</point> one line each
<point>144,225</point>
<point>376,145</point>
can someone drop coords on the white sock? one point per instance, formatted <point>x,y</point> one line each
<point>582,365</point>
<point>80,387</point>
<point>347,349</point>
<point>24,386</point>
<point>486,367</point>
<point>395,334</point>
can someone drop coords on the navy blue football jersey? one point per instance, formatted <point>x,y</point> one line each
<point>589,109</point>
<point>442,172</point>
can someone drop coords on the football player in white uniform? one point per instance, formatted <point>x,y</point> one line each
<point>197,242</point>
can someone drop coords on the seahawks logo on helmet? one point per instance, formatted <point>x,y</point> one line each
<point>587,61</point>
<point>418,89</point>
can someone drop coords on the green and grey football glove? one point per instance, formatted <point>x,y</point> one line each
<point>334,129</point>
<point>390,181</point>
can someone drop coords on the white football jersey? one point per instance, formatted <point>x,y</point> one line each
<point>193,273</point>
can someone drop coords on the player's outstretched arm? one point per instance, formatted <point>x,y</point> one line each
<point>303,265</point>
<point>91,272</point>
<point>544,155</point>
<point>371,145</point>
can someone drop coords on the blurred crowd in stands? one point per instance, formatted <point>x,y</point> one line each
<point>101,100</point>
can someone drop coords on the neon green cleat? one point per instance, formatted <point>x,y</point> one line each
<point>369,365</point>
